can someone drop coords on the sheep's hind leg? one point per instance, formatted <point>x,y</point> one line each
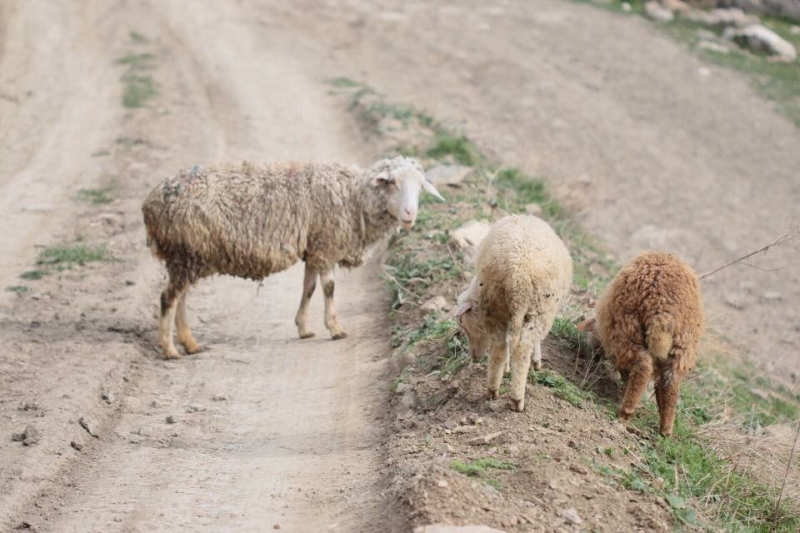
<point>301,319</point>
<point>169,299</point>
<point>667,387</point>
<point>522,341</point>
<point>331,322</point>
<point>185,337</point>
<point>537,355</point>
<point>640,374</point>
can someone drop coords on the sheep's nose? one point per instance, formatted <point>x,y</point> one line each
<point>409,211</point>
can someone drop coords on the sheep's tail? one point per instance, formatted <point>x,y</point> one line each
<point>659,337</point>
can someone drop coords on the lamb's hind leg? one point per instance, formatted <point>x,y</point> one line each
<point>185,337</point>
<point>301,319</point>
<point>169,298</point>
<point>668,386</point>
<point>331,322</point>
<point>640,374</point>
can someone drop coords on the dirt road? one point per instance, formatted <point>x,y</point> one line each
<point>652,153</point>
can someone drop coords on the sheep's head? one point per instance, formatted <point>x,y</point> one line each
<point>471,324</point>
<point>589,326</point>
<point>402,179</point>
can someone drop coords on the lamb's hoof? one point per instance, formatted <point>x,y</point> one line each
<point>624,416</point>
<point>307,335</point>
<point>339,335</point>
<point>493,394</point>
<point>537,365</point>
<point>519,405</point>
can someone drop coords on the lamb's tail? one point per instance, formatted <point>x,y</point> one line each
<point>659,337</point>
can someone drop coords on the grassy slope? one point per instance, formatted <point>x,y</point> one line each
<point>700,485</point>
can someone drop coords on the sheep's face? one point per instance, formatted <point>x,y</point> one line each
<point>471,325</point>
<point>589,326</point>
<point>403,184</point>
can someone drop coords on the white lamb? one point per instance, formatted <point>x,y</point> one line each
<point>523,272</point>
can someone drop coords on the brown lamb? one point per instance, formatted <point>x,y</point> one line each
<point>649,323</point>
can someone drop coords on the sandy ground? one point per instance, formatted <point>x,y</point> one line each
<point>650,153</point>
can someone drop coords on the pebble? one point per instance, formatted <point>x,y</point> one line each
<point>443,483</point>
<point>219,397</point>
<point>571,516</point>
<point>77,445</point>
<point>108,397</point>
<point>145,431</point>
<point>89,424</point>
<point>171,420</point>
<point>194,408</point>
<point>276,526</point>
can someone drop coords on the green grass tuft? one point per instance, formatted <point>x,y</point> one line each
<point>96,196</point>
<point>67,256</point>
<point>138,90</point>
<point>456,146</point>
<point>18,289</point>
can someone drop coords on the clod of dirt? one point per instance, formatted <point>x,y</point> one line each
<point>195,408</point>
<point>76,445</point>
<point>89,424</point>
<point>571,516</point>
<point>171,420</point>
<point>219,397</point>
<point>29,406</point>
<point>108,397</point>
<point>29,436</point>
<point>484,439</point>
<point>25,526</point>
<point>145,431</point>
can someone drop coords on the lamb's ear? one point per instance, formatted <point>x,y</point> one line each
<point>463,308</point>
<point>428,186</point>
<point>588,325</point>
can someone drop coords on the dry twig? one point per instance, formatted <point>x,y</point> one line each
<point>787,236</point>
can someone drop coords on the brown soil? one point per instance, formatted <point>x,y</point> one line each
<point>552,86</point>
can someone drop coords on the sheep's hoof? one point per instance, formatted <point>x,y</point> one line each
<point>519,405</point>
<point>191,347</point>
<point>307,335</point>
<point>493,394</point>
<point>340,335</point>
<point>624,415</point>
<point>171,353</point>
<point>537,365</point>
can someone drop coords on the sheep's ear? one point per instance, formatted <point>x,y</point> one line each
<point>428,186</point>
<point>463,308</point>
<point>588,325</point>
<point>384,178</point>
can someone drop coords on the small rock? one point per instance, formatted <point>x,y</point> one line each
<point>29,436</point>
<point>534,209</point>
<point>578,469</point>
<point>130,282</point>
<point>443,483</point>
<point>276,526</point>
<point>155,403</point>
<point>171,420</point>
<point>450,424</point>
<point>409,399</point>
<point>36,296</point>
<point>473,418</point>
<point>108,397</point>
<point>571,516</point>
<point>438,303</point>
<point>450,175</point>
<point>219,397</point>
<point>657,12</point>
<point>713,47</point>
<point>484,439</point>
<point>29,406</point>
<point>761,39</point>
<point>772,296</point>
<point>194,408</point>
<point>446,448</point>
<point>77,445</point>
<point>470,235</point>
<point>89,424</point>
<point>145,431</point>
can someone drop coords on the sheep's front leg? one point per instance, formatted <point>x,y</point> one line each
<point>301,320</point>
<point>537,354</point>
<point>169,299</point>
<point>185,337</point>
<point>331,322</point>
<point>498,354</point>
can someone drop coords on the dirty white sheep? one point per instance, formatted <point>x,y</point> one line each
<point>523,273</point>
<point>251,220</point>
